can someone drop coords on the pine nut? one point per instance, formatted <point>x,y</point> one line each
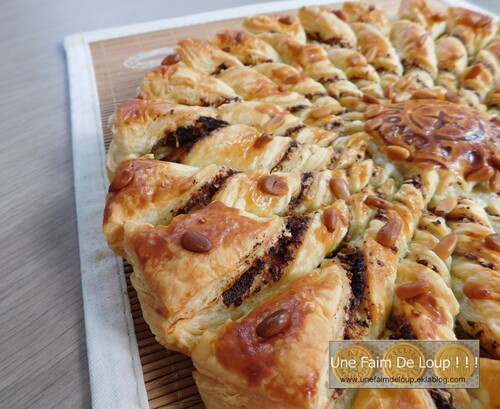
<point>446,246</point>
<point>389,232</point>
<point>273,324</point>
<point>446,206</point>
<point>273,185</point>
<point>339,188</point>
<point>374,201</point>
<point>330,218</point>
<point>397,152</point>
<point>411,290</point>
<point>195,242</point>
<point>493,241</point>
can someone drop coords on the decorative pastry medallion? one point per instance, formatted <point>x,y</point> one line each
<point>437,132</point>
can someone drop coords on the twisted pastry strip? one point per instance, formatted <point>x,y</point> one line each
<point>431,17</point>
<point>141,126</point>
<point>416,50</point>
<point>371,260</point>
<point>330,31</point>
<point>357,69</point>
<point>248,48</point>
<point>315,306</point>
<point>326,111</point>
<point>479,77</point>
<point>475,273</point>
<point>255,87</point>
<point>137,125</point>
<point>251,85</point>
<point>289,25</point>
<point>452,61</point>
<point>282,82</point>
<point>361,12</point>
<point>380,53</point>
<point>314,61</point>
<point>184,85</point>
<point>146,190</point>
<point>424,305</point>
<point>269,118</point>
<point>202,56</point>
<point>474,29</point>
<point>193,135</point>
<point>493,98</point>
<point>323,26</point>
<point>246,258</point>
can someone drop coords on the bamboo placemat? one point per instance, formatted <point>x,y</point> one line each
<point>119,66</point>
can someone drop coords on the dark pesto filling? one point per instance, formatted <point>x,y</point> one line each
<point>271,267</point>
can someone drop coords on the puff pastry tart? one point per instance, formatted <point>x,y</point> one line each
<point>328,174</point>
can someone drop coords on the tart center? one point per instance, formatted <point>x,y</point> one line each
<point>435,132</point>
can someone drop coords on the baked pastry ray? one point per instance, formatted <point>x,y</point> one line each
<point>288,81</point>
<point>475,274</point>
<point>137,125</point>
<point>391,398</point>
<point>493,98</point>
<point>288,369</point>
<point>424,305</point>
<point>474,29</point>
<point>430,16</point>
<point>486,396</point>
<point>270,119</point>
<point>175,83</point>
<point>371,260</point>
<point>146,190</point>
<point>363,12</point>
<point>480,75</point>
<point>323,26</point>
<point>138,130</point>
<point>183,292</point>
<point>201,55</point>
<point>286,24</point>
<point>416,51</point>
<point>452,60</point>
<point>314,61</point>
<point>378,52</point>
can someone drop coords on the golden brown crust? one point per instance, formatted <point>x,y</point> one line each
<point>379,52</point>
<point>370,13</point>
<point>137,125</point>
<point>174,82</point>
<point>487,396</point>
<point>426,14</point>
<point>168,267</point>
<point>156,191</point>
<point>415,47</point>
<point>249,49</point>
<point>204,56</point>
<point>291,377</point>
<point>475,274</point>
<point>472,28</point>
<point>322,25</point>
<point>287,24</point>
